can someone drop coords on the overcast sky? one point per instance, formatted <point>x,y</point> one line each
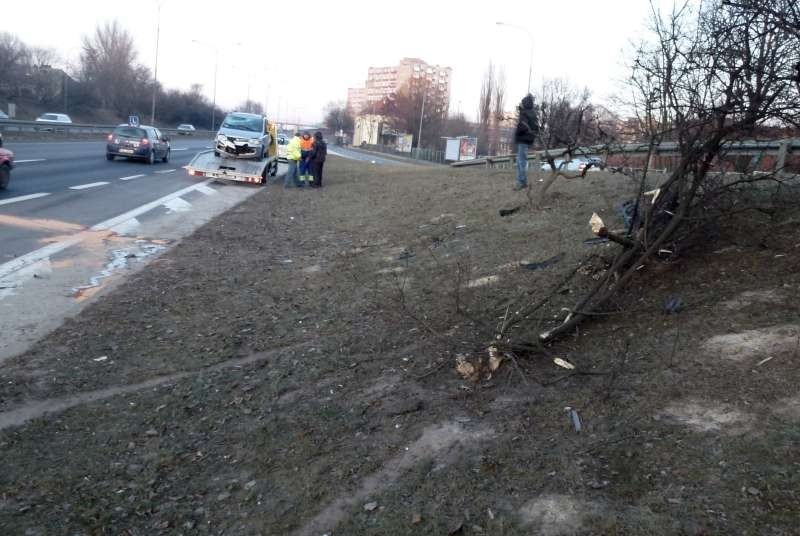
<point>303,54</point>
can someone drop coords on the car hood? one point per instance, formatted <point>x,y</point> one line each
<point>236,133</point>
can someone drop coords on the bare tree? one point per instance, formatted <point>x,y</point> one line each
<point>337,117</point>
<point>108,63</point>
<point>14,61</point>
<point>485,109</point>
<point>709,76</point>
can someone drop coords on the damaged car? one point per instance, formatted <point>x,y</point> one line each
<point>243,135</point>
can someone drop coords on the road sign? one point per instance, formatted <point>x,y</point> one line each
<point>133,120</point>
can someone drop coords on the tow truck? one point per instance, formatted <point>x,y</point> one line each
<point>216,165</point>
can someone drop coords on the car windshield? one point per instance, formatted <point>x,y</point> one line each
<point>129,132</point>
<point>50,117</point>
<point>243,122</point>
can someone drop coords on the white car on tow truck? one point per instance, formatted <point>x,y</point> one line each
<point>245,150</point>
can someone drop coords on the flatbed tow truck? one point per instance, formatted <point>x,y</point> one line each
<point>215,166</point>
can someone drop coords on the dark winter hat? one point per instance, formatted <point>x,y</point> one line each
<point>318,135</point>
<point>527,101</point>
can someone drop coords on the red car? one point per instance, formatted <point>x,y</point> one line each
<point>6,165</point>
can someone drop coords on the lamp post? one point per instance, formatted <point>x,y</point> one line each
<point>421,115</point>
<point>530,35</point>
<point>216,68</point>
<point>159,3</point>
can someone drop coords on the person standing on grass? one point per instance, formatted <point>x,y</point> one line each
<point>306,144</point>
<point>293,155</point>
<point>318,154</point>
<point>526,131</point>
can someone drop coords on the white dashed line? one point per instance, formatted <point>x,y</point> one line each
<point>30,160</point>
<point>208,147</point>
<point>166,171</point>
<point>90,185</point>
<point>22,198</point>
<point>181,149</point>
<point>131,177</point>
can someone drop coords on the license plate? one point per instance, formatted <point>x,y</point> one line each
<point>126,151</point>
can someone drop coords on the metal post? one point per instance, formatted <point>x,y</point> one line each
<point>421,115</point>
<point>155,71</point>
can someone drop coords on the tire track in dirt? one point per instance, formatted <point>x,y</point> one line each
<point>436,442</point>
<point>33,410</point>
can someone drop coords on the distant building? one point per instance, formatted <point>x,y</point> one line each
<point>356,100</point>
<point>412,74</point>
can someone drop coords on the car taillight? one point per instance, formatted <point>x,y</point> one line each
<point>145,141</point>
<point>110,137</point>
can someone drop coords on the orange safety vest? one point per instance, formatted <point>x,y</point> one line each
<point>306,144</point>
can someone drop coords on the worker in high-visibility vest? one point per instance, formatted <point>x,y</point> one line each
<point>306,144</point>
<point>293,156</point>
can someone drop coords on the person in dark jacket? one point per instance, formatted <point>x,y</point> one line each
<point>526,131</point>
<point>318,153</point>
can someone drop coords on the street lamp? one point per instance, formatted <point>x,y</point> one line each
<point>159,3</point>
<point>530,34</point>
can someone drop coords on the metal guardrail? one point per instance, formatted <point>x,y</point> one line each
<point>429,155</point>
<point>781,147</point>
<point>13,125</point>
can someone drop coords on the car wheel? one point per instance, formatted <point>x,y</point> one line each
<point>166,157</point>
<point>216,153</point>
<point>109,156</point>
<point>151,159</point>
<point>5,177</point>
<point>274,168</point>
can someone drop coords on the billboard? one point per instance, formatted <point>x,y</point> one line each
<point>467,148</point>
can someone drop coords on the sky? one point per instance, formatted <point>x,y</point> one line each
<point>297,56</point>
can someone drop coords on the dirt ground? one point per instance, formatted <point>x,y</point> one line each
<point>289,369</point>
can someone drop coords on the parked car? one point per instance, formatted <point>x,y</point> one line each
<point>576,164</point>
<point>186,129</point>
<point>6,165</point>
<point>142,142</point>
<point>243,135</point>
<point>283,142</point>
<point>3,115</point>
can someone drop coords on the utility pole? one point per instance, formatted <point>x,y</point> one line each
<point>421,115</point>
<point>530,35</point>
<point>155,70</point>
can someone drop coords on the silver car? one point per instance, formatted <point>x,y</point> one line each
<point>243,135</point>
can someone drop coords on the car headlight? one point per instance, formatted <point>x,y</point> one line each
<point>254,141</point>
<point>221,137</point>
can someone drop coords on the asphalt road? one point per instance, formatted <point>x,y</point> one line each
<point>59,188</point>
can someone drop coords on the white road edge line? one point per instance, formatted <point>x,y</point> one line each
<point>166,171</point>
<point>89,185</point>
<point>203,189</point>
<point>131,177</point>
<point>47,251</point>
<point>108,224</point>
<point>22,198</point>
<point>30,160</point>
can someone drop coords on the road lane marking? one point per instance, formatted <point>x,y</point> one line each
<point>128,227</point>
<point>178,205</point>
<point>38,255</point>
<point>89,185</point>
<point>181,149</point>
<point>203,189</point>
<point>49,250</point>
<point>166,171</point>
<point>130,178</point>
<point>207,147</point>
<point>30,160</point>
<point>22,198</point>
<point>108,224</point>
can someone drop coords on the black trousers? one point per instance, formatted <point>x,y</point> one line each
<point>316,170</point>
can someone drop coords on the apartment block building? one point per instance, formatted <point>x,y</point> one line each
<point>412,74</point>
